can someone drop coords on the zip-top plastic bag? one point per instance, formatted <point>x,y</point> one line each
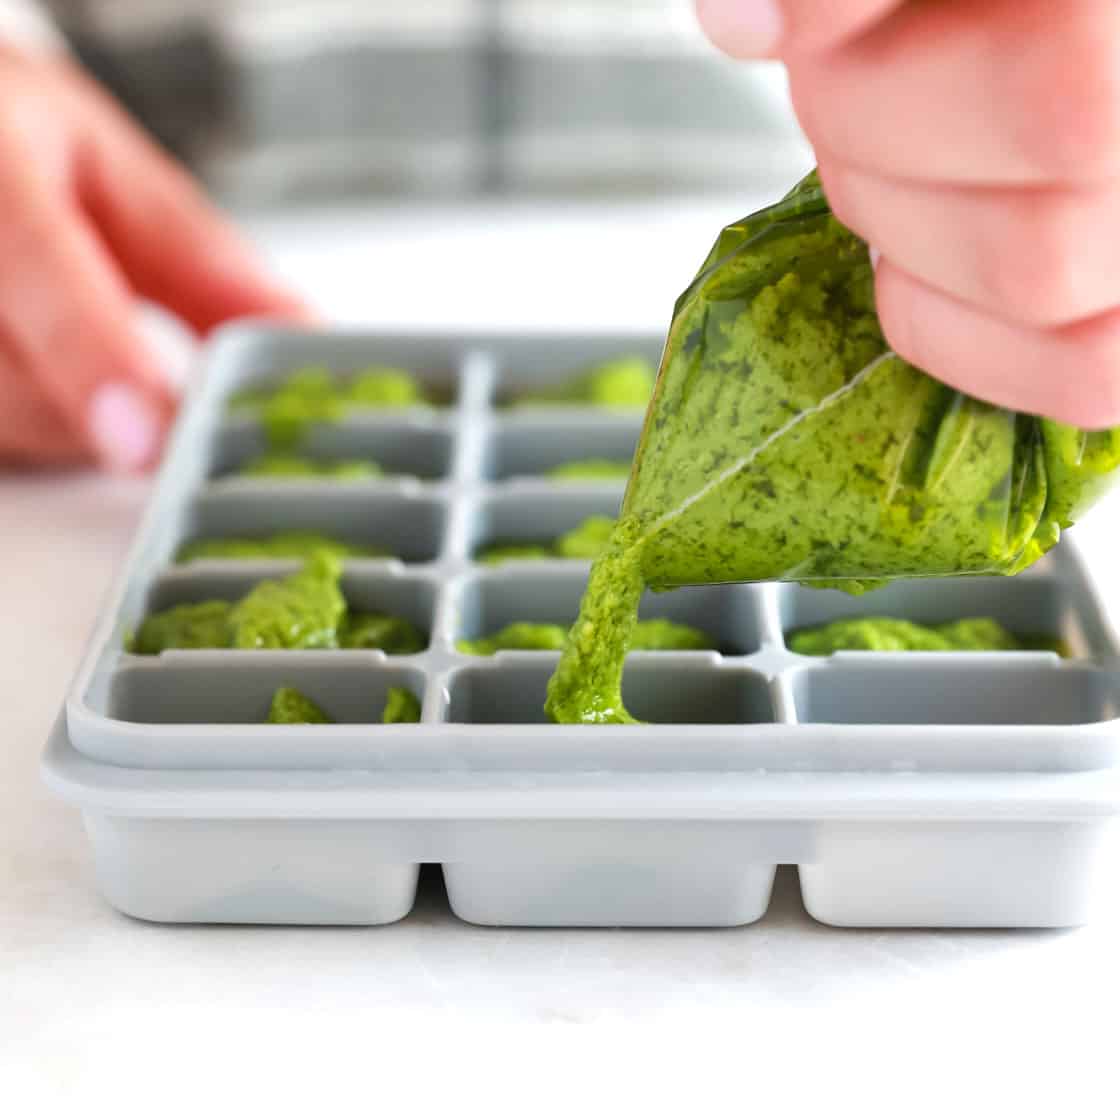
<point>786,441</point>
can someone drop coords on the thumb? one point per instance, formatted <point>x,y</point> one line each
<point>764,28</point>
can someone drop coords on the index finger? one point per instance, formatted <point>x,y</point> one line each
<point>758,28</point>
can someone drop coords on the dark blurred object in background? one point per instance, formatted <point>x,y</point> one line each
<point>283,99</point>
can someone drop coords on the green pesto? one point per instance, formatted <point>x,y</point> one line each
<point>624,382</point>
<point>279,465</point>
<point>188,626</point>
<point>302,611</point>
<point>584,542</point>
<point>401,706</point>
<point>591,470</point>
<point>517,635</point>
<point>368,630</point>
<point>316,396</point>
<point>501,553</point>
<point>660,634</point>
<point>291,706</point>
<point>786,441</point>
<point>280,546</point>
<point>900,635</point>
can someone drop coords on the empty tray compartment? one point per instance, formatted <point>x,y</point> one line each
<point>958,689</point>
<point>532,448</point>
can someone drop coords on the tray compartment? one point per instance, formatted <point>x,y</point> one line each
<point>411,528</point>
<point>259,871</point>
<point>958,874</point>
<point>202,689</point>
<point>257,359</point>
<point>1030,604</point>
<point>605,892</point>
<point>364,588</point>
<point>529,448</point>
<point>974,689</point>
<point>492,600</point>
<point>526,364</point>
<point>660,688</point>
<point>411,448</point>
<point>538,514</point>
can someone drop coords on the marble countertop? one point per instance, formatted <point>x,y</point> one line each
<point>99,1008</point>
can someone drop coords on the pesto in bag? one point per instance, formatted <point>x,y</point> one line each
<point>786,441</point>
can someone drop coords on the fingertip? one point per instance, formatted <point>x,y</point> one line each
<point>742,28</point>
<point>126,427</point>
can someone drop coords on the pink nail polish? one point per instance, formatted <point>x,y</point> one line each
<point>875,256</point>
<point>124,426</point>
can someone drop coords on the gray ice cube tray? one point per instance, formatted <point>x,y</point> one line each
<point>917,789</point>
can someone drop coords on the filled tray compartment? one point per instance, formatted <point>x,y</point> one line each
<point>491,601</point>
<point>657,688</point>
<point>540,516</point>
<point>266,359</point>
<point>1031,606</point>
<point>203,689</point>
<point>418,447</point>
<point>406,527</point>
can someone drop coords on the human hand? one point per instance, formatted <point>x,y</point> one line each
<point>975,144</point>
<point>92,215</point>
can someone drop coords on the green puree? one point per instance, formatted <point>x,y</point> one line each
<point>967,635</point>
<point>315,396</point>
<point>786,441</point>
<point>297,466</point>
<point>591,470</point>
<point>625,382</point>
<point>301,611</point>
<point>280,546</point>
<point>584,542</point>
<point>291,706</point>
<point>401,707</point>
<point>651,634</point>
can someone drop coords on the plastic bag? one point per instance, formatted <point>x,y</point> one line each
<point>786,441</point>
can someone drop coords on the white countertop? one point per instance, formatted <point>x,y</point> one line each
<point>98,1008</point>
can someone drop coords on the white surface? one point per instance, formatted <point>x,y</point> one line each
<point>431,1013</point>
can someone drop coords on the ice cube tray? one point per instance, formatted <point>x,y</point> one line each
<point>916,789</point>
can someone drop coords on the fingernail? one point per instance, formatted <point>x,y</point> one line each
<point>874,254</point>
<point>743,27</point>
<point>125,428</point>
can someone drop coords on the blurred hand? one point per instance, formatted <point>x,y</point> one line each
<point>92,215</point>
<point>975,144</point>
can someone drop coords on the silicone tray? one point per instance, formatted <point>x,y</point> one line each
<point>923,790</point>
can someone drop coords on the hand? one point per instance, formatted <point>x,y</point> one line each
<point>92,215</point>
<point>975,144</point>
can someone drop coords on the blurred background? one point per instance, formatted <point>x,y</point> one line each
<point>466,162</point>
<point>283,99</point>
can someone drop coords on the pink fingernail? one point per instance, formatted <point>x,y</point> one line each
<point>743,27</point>
<point>875,255</point>
<point>124,426</point>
